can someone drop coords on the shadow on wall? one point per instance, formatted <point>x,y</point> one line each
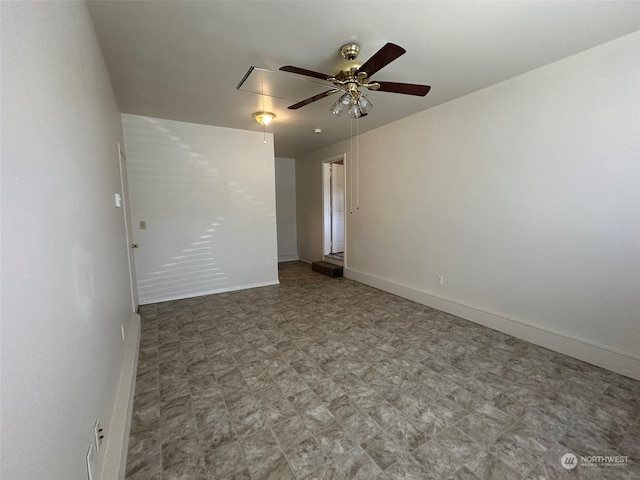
<point>199,211</point>
<point>196,265</point>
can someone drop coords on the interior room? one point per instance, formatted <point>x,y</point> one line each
<point>320,240</point>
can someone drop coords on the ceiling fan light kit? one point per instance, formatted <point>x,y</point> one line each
<point>350,76</point>
<point>356,103</point>
<point>342,105</point>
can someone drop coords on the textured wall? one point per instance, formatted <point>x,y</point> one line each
<point>524,196</point>
<point>207,195</point>
<point>286,209</point>
<point>65,282</point>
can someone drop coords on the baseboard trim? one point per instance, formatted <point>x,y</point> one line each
<point>182,296</point>
<point>305,260</point>
<point>288,258</point>
<point>117,441</point>
<point>625,363</point>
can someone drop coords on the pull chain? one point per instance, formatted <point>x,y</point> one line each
<point>264,127</point>
<point>357,165</point>
<point>351,167</point>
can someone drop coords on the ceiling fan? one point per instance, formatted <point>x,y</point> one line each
<point>351,75</point>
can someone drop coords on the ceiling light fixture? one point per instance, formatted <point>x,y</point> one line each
<point>352,75</point>
<point>264,118</point>
<point>354,103</point>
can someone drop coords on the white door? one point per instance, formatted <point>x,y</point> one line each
<point>337,208</point>
<point>124,185</point>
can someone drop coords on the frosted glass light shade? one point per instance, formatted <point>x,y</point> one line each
<point>264,118</point>
<point>342,105</point>
<point>364,104</point>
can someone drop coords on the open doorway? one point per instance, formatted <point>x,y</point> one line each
<point>334,231</point>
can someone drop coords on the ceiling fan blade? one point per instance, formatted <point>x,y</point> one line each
<point>305,72</point>
<point>405,88</point>
<point>381,59</point>
<point>309,100</point>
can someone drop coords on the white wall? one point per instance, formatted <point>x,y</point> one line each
<point>207,195</point>
<point>65,286</point>
<point>524,196</point>
<point>286,209</point>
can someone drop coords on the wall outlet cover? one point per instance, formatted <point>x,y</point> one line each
<point>97,432</point>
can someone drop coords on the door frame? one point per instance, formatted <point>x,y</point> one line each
<point>124,188</point>
<point>326,209</point>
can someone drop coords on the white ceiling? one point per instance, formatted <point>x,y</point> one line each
<point>183,60</point>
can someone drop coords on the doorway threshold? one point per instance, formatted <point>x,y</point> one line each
<point>335,258</point>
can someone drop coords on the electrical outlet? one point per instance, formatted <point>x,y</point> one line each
<point>143,225</point>
<point>268,263</point>
<point>440,280</point>
<point>90,461</point>
<point>98,433</point>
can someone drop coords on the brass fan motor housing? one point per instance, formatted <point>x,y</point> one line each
<point>347,69</point>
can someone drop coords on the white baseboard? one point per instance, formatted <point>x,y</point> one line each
<point>288,258</point>
<point>305,260</point>
<point>117,441</point>
<point>169,298</point>
<point>625,363</point>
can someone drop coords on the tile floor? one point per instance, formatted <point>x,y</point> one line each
<point>322,378</point>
